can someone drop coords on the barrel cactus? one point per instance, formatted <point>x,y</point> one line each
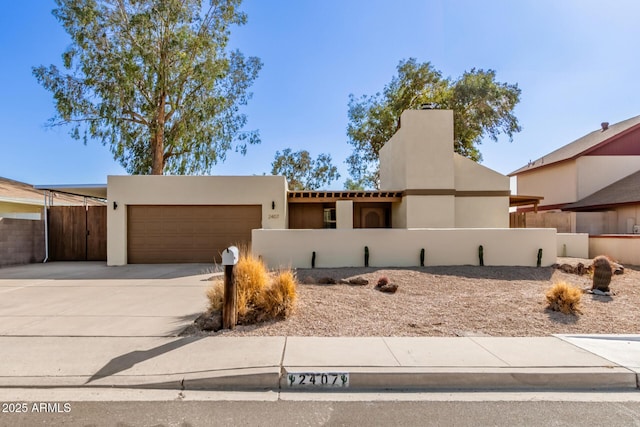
<point>601,273</point>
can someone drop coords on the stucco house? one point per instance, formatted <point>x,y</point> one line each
<point>589,185</point>
<point>430,197</point>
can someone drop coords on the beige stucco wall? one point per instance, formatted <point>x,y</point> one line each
<point>472,176</point>
<point>597,172</point>
<point>575,245</point>
<point>430,211</point>
<point>418,156</point>
<point>189,190</point>
<point>344,214</point>
<point>556,183</point>
<point>399,215</point>
<point>401,247</point>
<point>482,212</point>
<point>624,249</point>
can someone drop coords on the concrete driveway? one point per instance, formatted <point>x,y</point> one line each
<point>90,299</point>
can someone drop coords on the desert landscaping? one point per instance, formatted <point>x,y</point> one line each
<point>450,301</point>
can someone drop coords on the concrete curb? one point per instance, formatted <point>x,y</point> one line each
<point>361,379</point>
<point>477,378</point>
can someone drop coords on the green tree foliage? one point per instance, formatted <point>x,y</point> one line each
<point>481,107</point>
<point>153,80</point>
<point>303,172</point>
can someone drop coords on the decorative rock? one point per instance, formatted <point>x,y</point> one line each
<point>309,280</point>
<point>382,281</point>
<point>389,288</point>
<point>567,268</point>
<point>600,293</point>
<point>209,321</point>
<point>617,268</point>
<point>358,281</point>
<point>343,281</point>
<point>580,269</point>
<point>327,281</point>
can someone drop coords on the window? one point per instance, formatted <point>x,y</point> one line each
<point>329,217</point>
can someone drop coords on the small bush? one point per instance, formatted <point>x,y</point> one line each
<point>565,298</point>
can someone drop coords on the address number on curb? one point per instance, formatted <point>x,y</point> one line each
<point>318,379</point>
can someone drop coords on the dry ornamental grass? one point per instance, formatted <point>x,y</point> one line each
<point>452,301</point>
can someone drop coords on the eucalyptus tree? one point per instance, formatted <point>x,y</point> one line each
<point>302,171</point>
<point>154,80</point>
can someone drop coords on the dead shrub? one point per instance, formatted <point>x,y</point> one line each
<point>277,301</point>
<point>215,295</point>
<point>260,296</point>
<point>251,277</point>
<point>565,298</point>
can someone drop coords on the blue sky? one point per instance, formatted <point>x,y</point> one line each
<point>576,62</point>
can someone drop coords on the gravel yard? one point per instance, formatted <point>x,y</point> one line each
<point>452,301</point>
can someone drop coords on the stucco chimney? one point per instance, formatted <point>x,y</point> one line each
<point>605,126</point>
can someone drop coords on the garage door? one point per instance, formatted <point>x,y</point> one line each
<point>175,234</point>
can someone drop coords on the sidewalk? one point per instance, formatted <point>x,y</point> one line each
<point>572,362</point>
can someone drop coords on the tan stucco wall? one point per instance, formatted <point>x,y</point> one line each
<point>482,212</point>
<point>573,245</point>
<point>597,172</point>
<point>418,156</point>
<point>429,211</point>
<point>401,247</point>
<point>399,215</point>
<point>471,176</point>
<point>556,183</point>
<point>624,249</point>
<point>189,190</point>
<point>344,214</point>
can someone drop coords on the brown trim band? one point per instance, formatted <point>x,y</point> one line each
<point>431,192</point>
<point>505,193</point>
<point>448,192</point>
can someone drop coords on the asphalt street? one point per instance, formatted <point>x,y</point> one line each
<point>336,413</point>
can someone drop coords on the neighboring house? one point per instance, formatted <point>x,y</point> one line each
<point>591,185</point>
<point>430,198</point>
<point>22,225</point>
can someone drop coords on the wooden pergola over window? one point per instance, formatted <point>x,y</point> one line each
<point>333,196</point>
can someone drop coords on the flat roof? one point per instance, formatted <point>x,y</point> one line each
<point>98,191</point>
